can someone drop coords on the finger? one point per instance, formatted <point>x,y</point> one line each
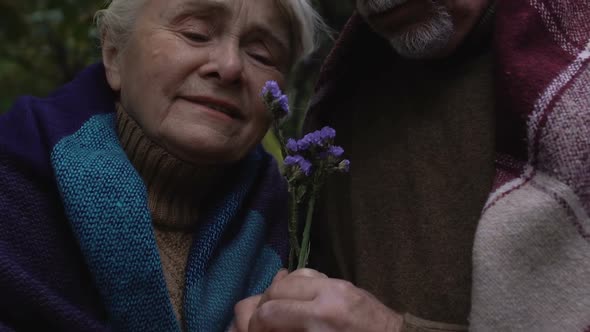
<point>308,273</point>
<point>282,315</point>
<point>294,287</point>
<point>280,275</point>
<point>243,311</point>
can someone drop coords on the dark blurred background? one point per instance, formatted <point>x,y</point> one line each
<point>44,43</point>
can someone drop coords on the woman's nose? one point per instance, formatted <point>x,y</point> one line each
<point>225,64</point>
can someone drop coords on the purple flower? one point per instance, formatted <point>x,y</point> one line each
<point>284,103</point>
<point>297,160</point>
<point>309,140</point>
<point>275,100</point>
<point>292,160</point>
<point>303,144</point>
<point>335,151</point>
<point>305,166</point>
<point>327,133</point>
<point>292,145</point>
<point>316,137</point>
<point>272,88</point>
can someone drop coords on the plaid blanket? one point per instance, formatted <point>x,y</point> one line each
<point>532,247</point>
<point>77,247</point>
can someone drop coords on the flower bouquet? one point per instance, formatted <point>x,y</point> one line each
<point>307,163</point>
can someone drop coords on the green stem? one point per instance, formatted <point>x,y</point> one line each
<point>304,251</point>
<point>280,138</point>
<point>293,241</point>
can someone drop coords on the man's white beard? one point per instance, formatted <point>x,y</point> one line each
<point>422,40</point>
<point>426,39</point>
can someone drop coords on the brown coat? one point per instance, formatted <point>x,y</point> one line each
<point>420,137</point>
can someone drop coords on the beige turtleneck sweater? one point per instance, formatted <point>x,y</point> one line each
<point>174,190</point>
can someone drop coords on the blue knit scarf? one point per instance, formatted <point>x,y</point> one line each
<point>235,254</point>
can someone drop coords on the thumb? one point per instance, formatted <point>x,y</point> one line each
<point>243,311</point>
<point>280,275</point>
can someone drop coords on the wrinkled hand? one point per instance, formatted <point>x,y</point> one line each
<point>307,300</point>
<point>245,309</point>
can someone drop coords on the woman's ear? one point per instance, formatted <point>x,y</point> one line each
<point>110,59</point>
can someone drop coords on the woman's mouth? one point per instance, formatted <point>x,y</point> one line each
<point>216,105</point>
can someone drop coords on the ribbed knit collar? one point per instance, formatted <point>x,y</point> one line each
<point>174,186</point>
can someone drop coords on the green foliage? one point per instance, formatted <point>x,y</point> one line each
<point>43,44</point>
<point>271,145</point>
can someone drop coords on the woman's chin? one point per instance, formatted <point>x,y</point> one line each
<point>205,151</point>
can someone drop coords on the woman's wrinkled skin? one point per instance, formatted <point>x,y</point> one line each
<point>191,74</point>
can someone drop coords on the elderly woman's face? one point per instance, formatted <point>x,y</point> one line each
<point>192,72</point>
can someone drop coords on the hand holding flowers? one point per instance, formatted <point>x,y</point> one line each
<point>305,299</point>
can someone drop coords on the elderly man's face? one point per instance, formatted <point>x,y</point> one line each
<point>422,28</point>
<point>192,72</point>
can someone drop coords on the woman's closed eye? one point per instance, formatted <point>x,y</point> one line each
<point>196,37</point>
<point>196,30</point>
<point>260,53</point>
<point>263,58</point>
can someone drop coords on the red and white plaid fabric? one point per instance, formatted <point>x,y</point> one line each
<point>532,248</point>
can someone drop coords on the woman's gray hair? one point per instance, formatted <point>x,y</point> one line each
<point>308,25</point>
<point>117,19</point>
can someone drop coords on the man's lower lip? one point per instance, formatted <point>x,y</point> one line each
<point>401,16</point>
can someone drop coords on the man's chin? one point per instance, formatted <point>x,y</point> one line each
<point>423,41</point>
<point>425,38</point>
<point>418,50</point>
